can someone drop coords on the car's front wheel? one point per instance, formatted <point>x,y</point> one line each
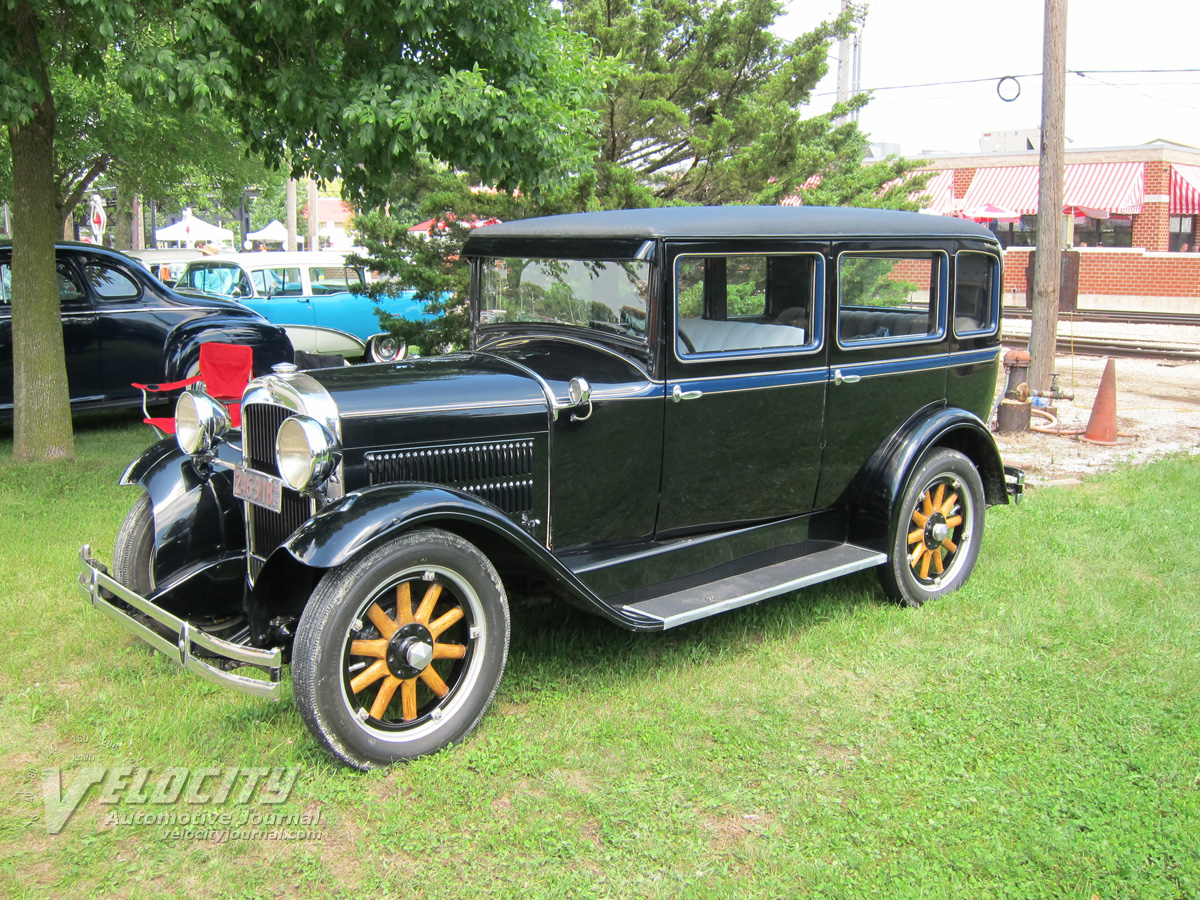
<point>936,531</point>
<point>399,652</point>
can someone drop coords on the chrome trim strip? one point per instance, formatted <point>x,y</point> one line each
<point>95,583</point>
<point>896,366</point>
<point>551,401</point>
<point>745,600</point>
<point>449,407</point>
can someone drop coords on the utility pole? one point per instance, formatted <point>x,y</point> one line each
<point>314,218</point>
<point>843,80</point>
<point>291,214</point>
<point>1047,266</point>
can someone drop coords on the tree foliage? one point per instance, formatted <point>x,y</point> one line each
<point>704,105</point>
<point>351,89</point>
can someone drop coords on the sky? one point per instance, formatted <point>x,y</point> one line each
<point>913,42</point>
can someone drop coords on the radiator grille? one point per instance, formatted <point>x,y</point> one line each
<point>500,473</point>
<point>267,529</point>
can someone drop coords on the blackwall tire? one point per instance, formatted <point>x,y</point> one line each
<point>399,651</point>
<point>133,554</point>
<point>936,530</point>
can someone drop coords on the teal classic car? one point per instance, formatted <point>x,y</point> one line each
<point>314,295</point>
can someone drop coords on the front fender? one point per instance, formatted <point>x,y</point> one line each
<point>181,351</point>
<point>888,469</point>
<point>196,517</point>
<point>363,519</point>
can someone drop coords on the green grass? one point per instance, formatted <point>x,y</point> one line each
<point>1035,735</point>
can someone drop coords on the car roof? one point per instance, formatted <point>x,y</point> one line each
<point>691,222</point>
<point>153,254</point>
<point>276,258</point>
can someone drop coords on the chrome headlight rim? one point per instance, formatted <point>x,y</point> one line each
<point>306,454</point>
<point>200,422</point>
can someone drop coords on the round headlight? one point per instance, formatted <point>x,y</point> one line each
<point>199,422</point>
<point>386,347</point>
<point>304,450</point>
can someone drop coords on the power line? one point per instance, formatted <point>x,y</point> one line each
<point>1081,72</point>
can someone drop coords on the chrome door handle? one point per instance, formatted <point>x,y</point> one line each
<point>678,393</point>
<point>839,378</point>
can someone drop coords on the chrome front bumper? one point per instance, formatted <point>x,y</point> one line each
<point>101,589</point>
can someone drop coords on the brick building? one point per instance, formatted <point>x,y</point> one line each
<point>1131,213</point>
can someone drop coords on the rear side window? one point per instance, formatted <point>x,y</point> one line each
<point>887,297</point>
<point>976,293</point>
<point>111,284</point>
<point>746,303</point>
<point>334,279</point>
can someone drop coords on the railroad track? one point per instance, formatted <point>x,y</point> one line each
<point>1078,346</point>
<point>1097,315</point>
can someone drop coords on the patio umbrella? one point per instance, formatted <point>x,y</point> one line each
<point>989,211</point>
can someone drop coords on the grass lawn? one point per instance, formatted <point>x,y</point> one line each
<point>1035,735</point>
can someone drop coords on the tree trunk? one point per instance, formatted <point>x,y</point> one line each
<point>41,403</point>
<point>122,223</point>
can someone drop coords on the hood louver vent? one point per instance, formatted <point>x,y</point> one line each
<point>500,473</point>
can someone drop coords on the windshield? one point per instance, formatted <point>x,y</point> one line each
<point>604,295</point>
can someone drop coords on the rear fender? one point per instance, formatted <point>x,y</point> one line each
<point>889,468</point>
<point>196,517</point>
<point>363,519</point>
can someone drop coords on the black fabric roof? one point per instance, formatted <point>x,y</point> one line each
<point>691,222</point>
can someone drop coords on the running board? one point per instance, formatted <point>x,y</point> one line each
<point>770,581</point>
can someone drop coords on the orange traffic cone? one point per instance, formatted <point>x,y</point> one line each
<point>1102,425</point>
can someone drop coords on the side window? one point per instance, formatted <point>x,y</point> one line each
<point>283,282</point>
<point>259,278</point>
<point>746,302</point>
<point>887,296</point>
<point>976,293</point>
<point>69,290</point>
<point>111,284</point>
<point>334,279</point>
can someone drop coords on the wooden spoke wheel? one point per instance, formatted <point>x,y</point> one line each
<point>399,652</point>
<point>937,528</point>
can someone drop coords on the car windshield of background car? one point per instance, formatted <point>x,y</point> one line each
<point>602,295</point>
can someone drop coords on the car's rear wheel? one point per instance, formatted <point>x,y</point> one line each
<point>399,652</point>
<point>937,528</point>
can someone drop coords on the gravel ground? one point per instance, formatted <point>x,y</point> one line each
<point>1158,406</point>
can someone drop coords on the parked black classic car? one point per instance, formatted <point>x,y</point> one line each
<point>121,325</point>
<point>664,414</point>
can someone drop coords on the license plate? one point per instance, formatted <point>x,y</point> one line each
<point>257,488</point>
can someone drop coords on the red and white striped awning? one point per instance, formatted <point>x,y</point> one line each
<point>1185,191</point>
<point>1109,187</point>
<point>938,195</point>
<point>1098,187</point>
<point>797,199</point>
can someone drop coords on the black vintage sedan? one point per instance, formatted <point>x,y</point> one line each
<point>121,325</point>
<point>664,415</point>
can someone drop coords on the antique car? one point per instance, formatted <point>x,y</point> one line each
<point>663,415</point>
<point>314,295</point>
<point>165,264</point>
<point>121,325</point>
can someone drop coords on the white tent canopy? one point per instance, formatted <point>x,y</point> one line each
<point>189,229</point>
<point>275,231</point>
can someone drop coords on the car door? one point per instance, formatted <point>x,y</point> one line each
<point>888,352</point>
<point>745,386</point>
<point>80,342</point>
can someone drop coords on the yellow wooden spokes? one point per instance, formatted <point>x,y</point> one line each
<point>921,559</point>
<point>376,649</point>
